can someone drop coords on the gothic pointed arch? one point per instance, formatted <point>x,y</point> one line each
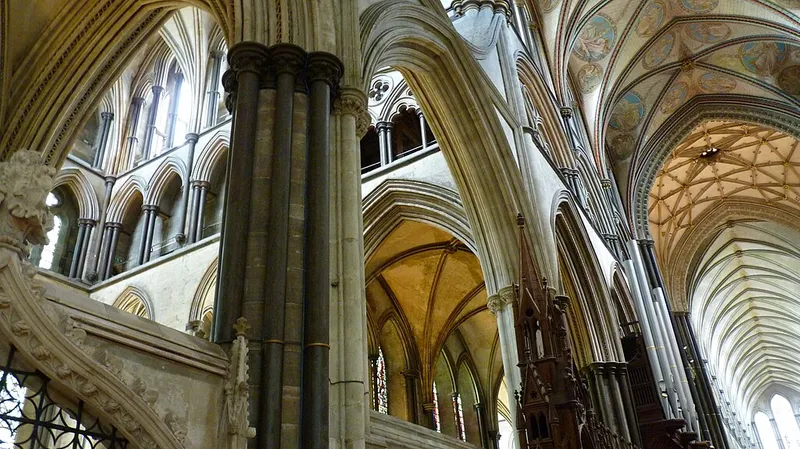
<point>591,318</point>
<point>168,169</point>
<point>136,301</point>
<point>75,180</point>
<point>122,198</point>
<point>203,299</point>
<point>212,153</point>
<point>423,45</point>
<point>395,200</point>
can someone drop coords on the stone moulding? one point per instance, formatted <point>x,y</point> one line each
<point>27,322</point>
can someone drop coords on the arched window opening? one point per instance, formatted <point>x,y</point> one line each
<point>765,432</point>
<point>534,426</point>
<point>56,255</point>
<point>33,415</point>
<point>407,134</point>
<point>506,433</point>
<point>168,220</point>
<point>786,422</point>
<point>86,145</point>
<point>370,150</point>
<point>468,399</point>
<point>380,394</point>
<point>437,422</point>
<point>214,200</point>
<point>131,301</point>
<point>131,234</point>
<point>544,432</point>
<point>205,325</point>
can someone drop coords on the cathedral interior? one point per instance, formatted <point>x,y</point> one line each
<point>400,224</point>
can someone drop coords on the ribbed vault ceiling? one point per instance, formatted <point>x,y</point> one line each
<point>636,62</point>
<point>751,161</point>
<point>431,285</point>
<point>745,306</point>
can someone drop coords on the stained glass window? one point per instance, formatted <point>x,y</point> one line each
<point>459,412</point>
<point>381,396</point>
<point>437,425</point>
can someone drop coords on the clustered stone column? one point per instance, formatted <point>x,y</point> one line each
<point>85,227</point>
<point>213,88</point>
<point>700,382</point>
<point>150,129</point>
<point>100,244</point>
<point>172,113</point>
<point>198,201</point>
<point>501,304</point>
<point>188,210</point>
<point>110,240</point>
<point>133,129</point>
<point>274,254</point>
<point>608,383</point>
<point>106,118</point>
<point>385,141</point>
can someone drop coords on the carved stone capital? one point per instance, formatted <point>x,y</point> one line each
<point>107,115</point>
<point>501,299</point>
<point>192,138</point>
<point>323,66</point>
<point>25,182</point>
<point>566,112</point>
<point>248,57</point>
<point>287,58</point>
<point>353,102</point>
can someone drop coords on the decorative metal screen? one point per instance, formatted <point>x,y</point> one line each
<point>31,419</point>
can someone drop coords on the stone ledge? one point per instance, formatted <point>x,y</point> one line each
<point>389,432</point>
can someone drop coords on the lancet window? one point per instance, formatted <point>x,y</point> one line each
<point>380,395</point>
<point>437,423</point>
<point>781,430</point>
<point>458,410</point>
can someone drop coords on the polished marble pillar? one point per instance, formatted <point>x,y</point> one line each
<point>275,245</point>
<point>100,247</point>
<point>150,129</point>
<point>191,140</point>
<point>133,129</point>
<point>151,227</point>
<point>106,119</point>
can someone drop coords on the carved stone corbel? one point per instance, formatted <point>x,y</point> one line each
<point>237,391</point>
<point>501,299</point>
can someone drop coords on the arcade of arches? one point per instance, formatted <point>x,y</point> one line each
<point>394,224</point>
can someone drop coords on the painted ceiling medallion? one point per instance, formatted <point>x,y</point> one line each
<point>762,58</point>
<point>589,77</point>
<point>596,39</point>
<point>699,6</point>
<point>789,79</point>
<point>549,5</point>
<point>628,113</point>
<point>623,145</point>
<point>660,51</point>
<point>675,97</point>
<point>708,32</point>
<point>716,83</point>
<point>651,19</point>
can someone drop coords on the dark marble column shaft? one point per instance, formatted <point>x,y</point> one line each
<point>213,88</point>
<point>89,226</point>
<point>423,131</point>
<point>151,227</point>
<point>133,129</point>
<point>194,202</point>
<point>324,71</point>
<point>101,244</point>
<point>114,229</point>
<point>245,60</point>
<point>288,61</point>
<point>172,114</point>
<point>106,118</point>
<point>146,211</point>
<point>191,139</point>
<point>383,142</point>
<point>76,253</point>
<point>201,192</point>
<point>150,130</point>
